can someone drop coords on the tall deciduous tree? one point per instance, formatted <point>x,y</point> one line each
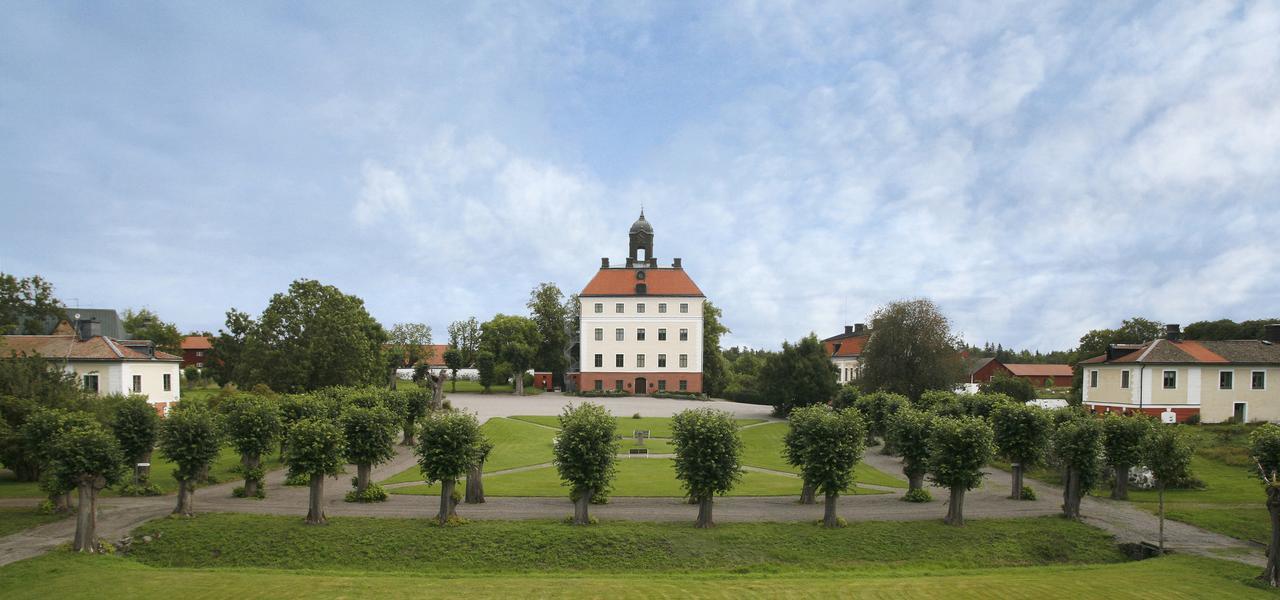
<point>1264,446</point>
<point>911,349</point>
<point>708,456</point>
<point>144,324</point>
<point>464,336</point>
<point>1077,446</point>
<point>1123,439</point>
<point>224,363</point>
<point>911,430</point>
<point>311,337</point>
<point>958,450</point>
<point>27,305</point>
<point>1022,437</point>
<point>715,375</point>
<point>86,458</point>
<point>314,451</point>
<point>370,440</point>
<point>407,345</point>
<point>253,426</point>
<point>486,366</point>
<point>1166,452</point>
<point>446,448</point>
<point>586,455</point>
<point>800,375</point>
<point>136,426</point>
<point>513,341</point>
<point>453,360</point>
<point>830,447</point>
<point>190,438</point>
<point>551,316</point>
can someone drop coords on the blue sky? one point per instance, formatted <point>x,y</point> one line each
<point>1038,169</point>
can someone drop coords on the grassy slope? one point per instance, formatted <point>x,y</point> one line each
<point>64,575</point>
<point>161,474</point>
<point>764,449</point>
<point>13,520</point>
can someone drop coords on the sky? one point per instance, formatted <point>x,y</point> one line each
<point>1038,169</point>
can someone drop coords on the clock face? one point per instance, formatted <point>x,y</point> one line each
<point>639,274</point>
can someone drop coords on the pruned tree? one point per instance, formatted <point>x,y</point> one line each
<point>136,426</point>
<point>1022,437</point>
<point>369,435</point>
<point>40,429</point>
<point>1264,446</point>
<point>475,473</point>
<point>1167,453</point>
<point>911,349</point>
<point>86,458</point>
<point>315,451</point>
<point>464,336</point>
<point>586,455</point>
<point>877,408</point>
<point>253,427</point>
<point>446,448</point>
<point>1123,439</point>
<point>1017,388</point>
<point>793,448</point>
<point>453,361</point>
<point>416,404</point>
<point>1077,446</point>
<point>708,456</point>
<point>935,400</point>
<point>911,431</point>
<point>958,450</point>
<point>827,447</point>
<point>190,438</point>
<point>407,345</point>
<point>294,408</point>
<point>29,382</point>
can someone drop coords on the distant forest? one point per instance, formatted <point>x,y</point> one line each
<point>1222,329</point>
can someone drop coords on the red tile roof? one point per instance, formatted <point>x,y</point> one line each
<point>71,348</point>
<point>1039,370</point>
<point>658,282</point>
<point>196,342</point>
<point>849,346</point>
<point>1198,352</point>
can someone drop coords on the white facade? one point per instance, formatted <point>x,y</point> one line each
<point>118,377</point>
<point>601,330</point>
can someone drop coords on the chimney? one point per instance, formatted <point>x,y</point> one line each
<point>88,328</point>
<point>1173,332</point>
<point>1271,333</point>
<point>848,329</point>
<point>604,263</point>
<point>675,263</point>
<point>859,327</point>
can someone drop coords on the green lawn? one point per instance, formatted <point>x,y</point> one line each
<point>643,477</point>
<point>659,427</point>
<point>515,444</point>
<point>161,474</point>
<point>763,448</point>
<point>13,520</point>
<point>472,387</point>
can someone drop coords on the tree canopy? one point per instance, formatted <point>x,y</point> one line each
<point>1021,434</point>
<point>708,456</point>
<point>586,454</point>
<point>513,342</point>
<point>144,324</point>
<point>714,369</point>
<point>958,450</point>
<point>827,446</point>
<point>190,438</point>
<point>465,337</point>
<point>911,349</point>
<point>800,375</point>
<point>550,315</point>
<point>27,305</point>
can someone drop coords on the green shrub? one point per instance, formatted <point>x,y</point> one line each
<point>918,495</point>
<point>300,479</point>
<point>1028,493</point>
<point>372,493</point>
<point>239,492</point>
<point>143,488</point>
<point>635,416</point>
<point>1193,419</point>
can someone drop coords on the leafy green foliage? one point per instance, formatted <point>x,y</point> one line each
<point>447,445</point>
<point>315,447</point>
<point>26,304</point>
<point>913,350</point>
<point>464,336</point>
<point>800,375</point>
<point>714,376</point>
<point>1077,443</point>
<point>1166,451</point>
<point>551,317</point>
<point>958,450</point>
<point>917,495</point>
<point>911,430</point>
<point>408,344</point>
<point>190,438</point>
<point>85,454</point>
<point>878,408</point>
<point>147,325</point>
<point>936,400</point>
<point>369,434</point>
<point>136,426</point>
<point>708,451</point>
<point>486,364</point>
<point>826,445</point>
<point>29,383</point>
<point>586,451</point>
<point>1016,388</point>
<point>1021,432</point>
<point>253,424</point>
<point>1264,446</point>
<point>1123,439</point>
<point>513,342</point>
<point>372,493</point>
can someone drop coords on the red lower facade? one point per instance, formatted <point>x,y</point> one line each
<point>642,383</point>
<point>1181,413</point>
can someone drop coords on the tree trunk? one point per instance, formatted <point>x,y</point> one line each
<point>250,463</point>
<point>1071,494</point>
<point>454,382</point>
<point>955,507</point>
<point>391,380</point>
<point>704,513</point>
<point>1017,481</point>
<point>807,494</point>
<point>1160,495</point>
<point>437,391</point>
<point>581,512</point>
<point>829,518</point>
<point>61,502</point>
<point>519,381</point>
<point>1272,573</point>
<point>186,491</point>
<point>475,485</point>
<point>915,481</point>
<point>315,508</point>
<point>362,477</point>
<point>410,426</point>
<point>1120,491</point>
<point>86,519</point>
<point>446,501</point>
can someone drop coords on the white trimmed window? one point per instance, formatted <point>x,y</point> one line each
<point>640,335</point>
<point>640,307</point>
<point>1259,380</point>
<point>684,361</point>
<point>640,361</point>
<point>1170,380</point>
<point>1093,379</point>
<point>1226,380</point>
<point>617,308</point>
<point>662,307</point>
<point>684,335</point>
<point>618,335</point>
<point>599,307</point>
<point>684,307</point>
<point>91,383</point>
<point>662,361</point>
<point>137,384</point>
<point>1124,379</point>
<point>617,360</point>
<point>662,334</point>
<point>168,383</point>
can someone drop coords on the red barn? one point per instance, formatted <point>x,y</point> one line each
<point>195,350</point>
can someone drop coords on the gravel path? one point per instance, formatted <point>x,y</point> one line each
<point>118,516</point>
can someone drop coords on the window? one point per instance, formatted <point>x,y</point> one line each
<point>662,307</point>
<point>1259,380</point>
<point>1226,379</point>
<point>640,361</point>
<point>662,385</point>
<point>684,361</point>
<point>91,383</point>
<point>640,335</point>
<point>199,353</point>
<point>199,365</point>
<point>1170,380</point>
<point>599,385</point>
<point>1124,379</point>
<point>1093,379</point>
<point>684,308</point>
<point>662,334</point>
<point>168,384</point>
<point>137,384</point>
<point>684,335</point>
<point>599,307</point>
<point>618,336</point>
<point>599,334</point>
<point>617,360</point>
<point>617,384</point>
<point>640,307</point>
<point>617,308</point>
<point>599,360</point>
<point>662,361</point>
<point>684,385</point>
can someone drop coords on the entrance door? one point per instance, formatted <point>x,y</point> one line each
<point>642,386</point>
<point>1241,409</point>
